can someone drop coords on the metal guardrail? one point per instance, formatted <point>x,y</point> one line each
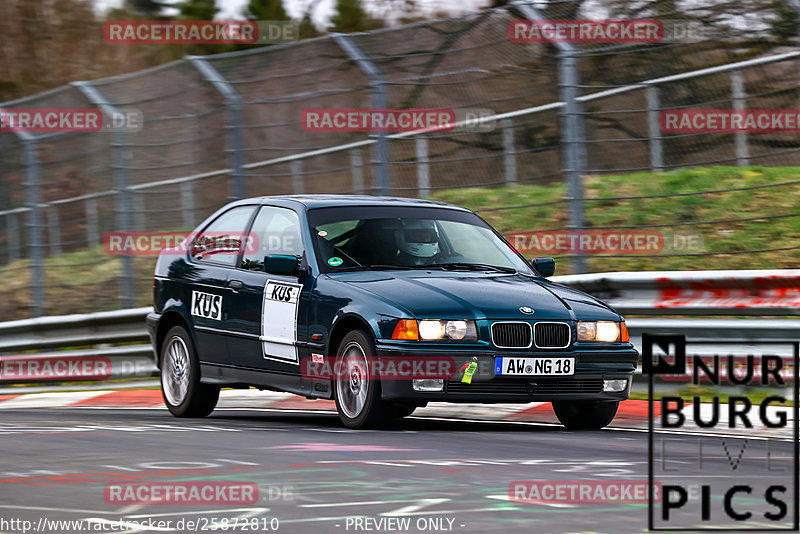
<point>34,348</point>
<point>746,292</point>
<point>649,293</point>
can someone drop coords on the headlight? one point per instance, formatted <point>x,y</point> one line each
<point>456,329</point>
<point>606,331</point>
<point>433,329</point>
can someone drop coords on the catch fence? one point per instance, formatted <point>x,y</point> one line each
<point>554,118</point>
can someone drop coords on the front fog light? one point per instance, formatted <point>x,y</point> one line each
<point>428,384</point>
<point>615,385</point>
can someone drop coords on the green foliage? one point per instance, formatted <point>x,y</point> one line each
<point>763,234</point>
<point>198,9</point>
<point>146,9</point>
<point>307,28</point>
<point>265,10</point>
<point>786,24</point>
<point>352,17</point>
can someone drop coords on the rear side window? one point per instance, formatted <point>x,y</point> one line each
<point>221,241</point>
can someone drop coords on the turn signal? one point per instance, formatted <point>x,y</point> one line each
<point>406,329</point>
<point>623,333</point>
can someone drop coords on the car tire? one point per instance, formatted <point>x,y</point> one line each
<point>181,389</point>
<point>585,415</point>
<point>358,394</point>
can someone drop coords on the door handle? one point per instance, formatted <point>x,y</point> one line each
<point>235,285</point>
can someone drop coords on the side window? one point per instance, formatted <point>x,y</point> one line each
<point>275,231</point>
<point>221,240</point>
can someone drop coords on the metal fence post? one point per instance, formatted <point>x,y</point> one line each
<point>187,186</point>
<point>121,168</point>
<point>654,128</point>
<point>573,141</point>
<point>376,81</point>
<point>12,228</point>
<point>572,133</point>
<point>124,212</point>
<point>509,152</point>
<point>138,210</point>
<point>357,164</point>
<point>423,167</point>
<point>740,104</point>
<point>34,222</point>
<point>233,106</point>
<point>54,230</point>
<point>297,176</point>
<point>187,203</point>
<point>92,224</point>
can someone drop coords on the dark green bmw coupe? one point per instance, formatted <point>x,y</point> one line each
<point>382,304</point>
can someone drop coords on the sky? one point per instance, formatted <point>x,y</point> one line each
<point>295,8</point>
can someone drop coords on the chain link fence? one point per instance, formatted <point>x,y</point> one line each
<point>557,117</point>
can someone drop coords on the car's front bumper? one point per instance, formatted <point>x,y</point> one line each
<point>592,368</point>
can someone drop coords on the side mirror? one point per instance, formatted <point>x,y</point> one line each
<point>544,266</point>
<point>280,264</point>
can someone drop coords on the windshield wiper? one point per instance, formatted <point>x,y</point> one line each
<point>376,267</point>
<point>473,267</point>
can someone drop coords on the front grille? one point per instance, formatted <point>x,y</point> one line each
<point>507,387</point>
<point>512,335</point>
<point>551,335</point>
<point>540,386</point>
<point>566,385</point>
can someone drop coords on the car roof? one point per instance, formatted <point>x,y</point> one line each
<point>329,201</point>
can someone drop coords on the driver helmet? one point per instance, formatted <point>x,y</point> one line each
<point>418,238</point>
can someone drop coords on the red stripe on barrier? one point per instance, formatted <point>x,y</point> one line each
<point>133,397</point>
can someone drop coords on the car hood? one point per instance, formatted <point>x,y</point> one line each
<point>479,295</point>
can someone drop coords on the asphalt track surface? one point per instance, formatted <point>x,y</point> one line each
<point>315,476</point>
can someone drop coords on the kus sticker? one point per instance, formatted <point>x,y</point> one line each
<point>207,305</point>
<point>282,292</point>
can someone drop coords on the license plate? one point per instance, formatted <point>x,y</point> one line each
<point>534,366</point>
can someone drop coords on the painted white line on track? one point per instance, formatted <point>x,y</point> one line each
<point>50,509</point>
<point>532,501</point>
<point>680,432</point>
<point>254,511</point>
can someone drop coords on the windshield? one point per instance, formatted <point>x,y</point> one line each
<point>422,238</point>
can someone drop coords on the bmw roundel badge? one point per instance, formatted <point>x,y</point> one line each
<point>526,310</point>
